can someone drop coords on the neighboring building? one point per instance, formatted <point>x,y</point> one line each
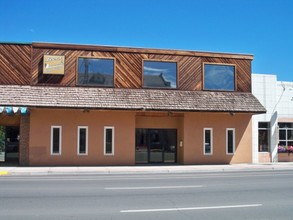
<point>99,105</point>
<point>275,128</point>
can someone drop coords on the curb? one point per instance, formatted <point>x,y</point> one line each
<point>38,171</point>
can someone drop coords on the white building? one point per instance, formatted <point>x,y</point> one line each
<point>275,128</point>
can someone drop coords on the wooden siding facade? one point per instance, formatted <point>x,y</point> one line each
<point>23,65</point>
<point>15,64</point>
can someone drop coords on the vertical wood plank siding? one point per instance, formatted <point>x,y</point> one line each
<point>128,70</point>
<point>15,64</point>
<point>38,78</point>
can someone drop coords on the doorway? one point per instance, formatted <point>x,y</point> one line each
<point>156,146</point>
<point>9,144</point>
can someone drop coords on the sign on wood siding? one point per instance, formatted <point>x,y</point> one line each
<point>53,64</point>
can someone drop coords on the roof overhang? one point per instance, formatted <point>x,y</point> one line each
<point>129,99</point>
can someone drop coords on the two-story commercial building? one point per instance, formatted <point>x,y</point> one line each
<point>67,104</point>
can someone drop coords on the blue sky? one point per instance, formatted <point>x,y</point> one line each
<point>263,28</point>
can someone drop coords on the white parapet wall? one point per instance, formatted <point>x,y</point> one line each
<point>277,98</point>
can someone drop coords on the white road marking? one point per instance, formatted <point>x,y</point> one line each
<point>191,208</point>
<point>152,187</point>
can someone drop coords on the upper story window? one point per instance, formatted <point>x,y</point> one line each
<point>96,71</point>
<point>158,74</point>
<point>219,77</point>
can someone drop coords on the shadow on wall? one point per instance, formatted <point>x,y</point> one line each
<point>243,141</point>
<point>275,133</point>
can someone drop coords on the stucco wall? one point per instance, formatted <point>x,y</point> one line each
<point>189,130</point>
<point>40,128</point>
<point>194,124</point>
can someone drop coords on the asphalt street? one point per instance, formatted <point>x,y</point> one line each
<point>232,195</point>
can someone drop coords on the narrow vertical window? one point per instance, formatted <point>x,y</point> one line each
<point>263,136</point>
<point>109,140</point>
<point>56,132</point>
<point>230,140</point>
<point>208,141</point>
<point>82,142</point>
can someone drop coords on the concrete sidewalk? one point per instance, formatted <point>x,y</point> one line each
<point>79,170</point>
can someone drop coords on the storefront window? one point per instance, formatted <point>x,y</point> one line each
<point>286,134</point>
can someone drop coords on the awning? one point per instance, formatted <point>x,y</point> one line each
<point>129,99</point>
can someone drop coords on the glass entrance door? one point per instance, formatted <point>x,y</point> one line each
<point>156,145</point>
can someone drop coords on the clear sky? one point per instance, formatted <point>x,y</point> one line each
<point>263,28</point>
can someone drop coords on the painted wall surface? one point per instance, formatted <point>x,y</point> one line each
<point>189,130</point>
<point>264,89</point>
<point>194,124</point>
<point>40,129</point>
<point>285,101</point>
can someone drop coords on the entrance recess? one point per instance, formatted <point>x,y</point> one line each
<point>156,145</point>
<point>9,144</point>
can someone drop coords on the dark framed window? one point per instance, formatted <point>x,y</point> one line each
<point>56,134</point>
<point>219,77</point>
<point>95,72</point>
<point>285,134</point>
<point>263,136</point>
<point>208,141</point>
<point>109,140</point>
<point>159,74</point>
<point>230,140</point>
<point>82,140</point>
